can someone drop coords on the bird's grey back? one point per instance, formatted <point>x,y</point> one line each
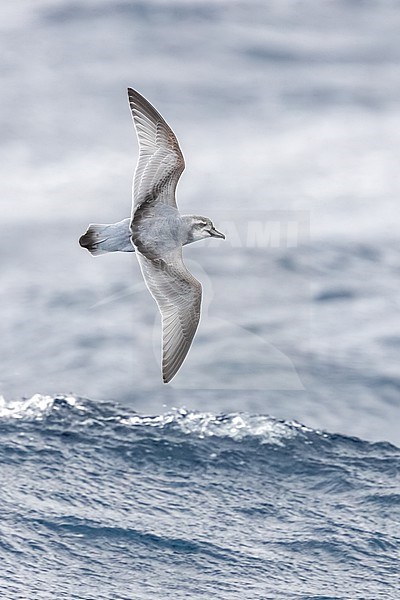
<point>157,229</point>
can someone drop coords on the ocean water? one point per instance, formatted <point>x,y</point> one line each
<point>113,484</point>
<point>101,502</point>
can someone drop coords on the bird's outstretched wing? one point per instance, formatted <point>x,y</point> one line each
<point>178,295</point>
<point>161,161</point>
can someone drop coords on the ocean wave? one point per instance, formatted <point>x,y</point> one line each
<point>236,426</point>
<point>261,500</point>
<point>37,407</point>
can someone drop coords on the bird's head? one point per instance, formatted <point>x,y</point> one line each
<point>201,228</point>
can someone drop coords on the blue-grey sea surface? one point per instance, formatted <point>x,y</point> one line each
<point>114,485</point>
<point>101,502</point>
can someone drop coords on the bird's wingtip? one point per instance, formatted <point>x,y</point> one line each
<point>132,92</point>
<point>167,375</point>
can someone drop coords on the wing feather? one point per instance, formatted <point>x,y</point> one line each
<point>178,296</point>
<point>161,161</point>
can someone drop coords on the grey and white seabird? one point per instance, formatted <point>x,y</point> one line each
<point>157,231</point>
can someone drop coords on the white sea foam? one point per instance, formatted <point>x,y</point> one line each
<point>236,426</point>
<point>35,408</point>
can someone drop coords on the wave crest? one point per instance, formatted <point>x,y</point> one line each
<point>236,426</point>
<point>35,408</point>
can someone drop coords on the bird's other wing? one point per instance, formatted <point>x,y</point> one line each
<point>178,295</point>
<point>161,161</point>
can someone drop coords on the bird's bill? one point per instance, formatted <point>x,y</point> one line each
<point>215,233</point>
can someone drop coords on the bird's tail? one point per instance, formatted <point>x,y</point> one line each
<point>102,238</point>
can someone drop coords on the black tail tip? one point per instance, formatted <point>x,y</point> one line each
<point>90,241</point>
<point>86,241</point>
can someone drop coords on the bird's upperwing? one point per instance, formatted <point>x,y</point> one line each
<point>161,161</point>
<point>178,295</point>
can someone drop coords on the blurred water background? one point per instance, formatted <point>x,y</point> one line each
<point>288,114</point>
